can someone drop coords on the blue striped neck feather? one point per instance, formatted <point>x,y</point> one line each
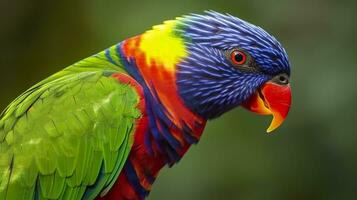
<point>160,143</point>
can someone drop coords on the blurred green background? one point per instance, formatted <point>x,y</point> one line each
<point>312,156</point>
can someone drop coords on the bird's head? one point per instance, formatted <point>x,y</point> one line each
<point>220,62</point>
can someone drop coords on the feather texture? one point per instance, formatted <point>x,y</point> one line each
<point>68,136</point>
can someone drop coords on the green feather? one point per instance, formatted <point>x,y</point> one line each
<point>67,133</point>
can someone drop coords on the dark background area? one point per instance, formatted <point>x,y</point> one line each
<point>312,156</point>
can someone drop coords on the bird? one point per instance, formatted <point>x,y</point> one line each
<point>103,127</point>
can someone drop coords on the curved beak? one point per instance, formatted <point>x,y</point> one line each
<point>271,99</point>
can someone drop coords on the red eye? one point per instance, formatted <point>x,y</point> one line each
<point>238,57</point>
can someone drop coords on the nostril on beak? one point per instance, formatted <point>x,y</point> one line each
<point>281,79</point>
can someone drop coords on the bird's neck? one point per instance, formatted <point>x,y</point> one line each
<point>172,126</point>
<point>152,59</point>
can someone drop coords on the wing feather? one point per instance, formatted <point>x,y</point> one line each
<point>67,137</point>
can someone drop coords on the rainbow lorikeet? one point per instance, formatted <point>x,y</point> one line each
<point>103,127</point>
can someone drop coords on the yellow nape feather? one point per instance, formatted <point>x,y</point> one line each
<point>162,45</point>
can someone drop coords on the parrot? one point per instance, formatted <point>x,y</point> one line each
<point>104,127</point>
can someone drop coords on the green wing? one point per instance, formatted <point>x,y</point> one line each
<point>68,137</point>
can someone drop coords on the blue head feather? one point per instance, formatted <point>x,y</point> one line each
<point>208,82</point>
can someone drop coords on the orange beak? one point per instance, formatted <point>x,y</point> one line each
<point>271,99</point>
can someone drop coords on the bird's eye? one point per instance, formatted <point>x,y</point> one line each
<point>238,57</point>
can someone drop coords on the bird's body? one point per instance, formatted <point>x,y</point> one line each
<point>104,127</point>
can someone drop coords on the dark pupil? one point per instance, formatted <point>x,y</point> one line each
<point>282,79</point>
<point>238,57</point>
